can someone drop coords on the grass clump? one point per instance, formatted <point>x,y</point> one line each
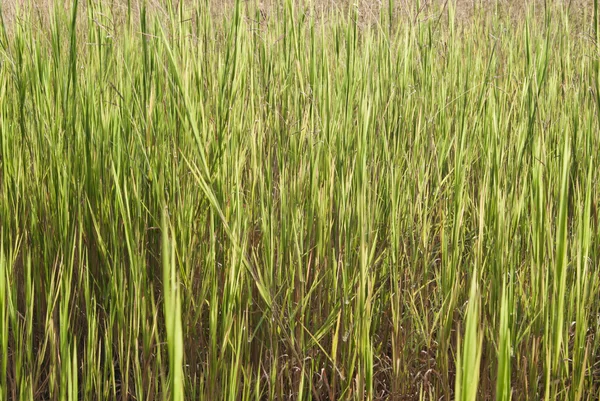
<point>280,203</point>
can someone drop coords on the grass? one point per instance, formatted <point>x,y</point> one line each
<point>285,204</point>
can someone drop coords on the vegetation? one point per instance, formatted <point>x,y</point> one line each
<point>286,203</point>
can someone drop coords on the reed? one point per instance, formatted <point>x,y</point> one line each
<point>294,202</point>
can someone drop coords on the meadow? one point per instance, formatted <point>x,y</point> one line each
<point>299,201</point>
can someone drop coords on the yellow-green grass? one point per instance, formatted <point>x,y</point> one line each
<point>291,204</point>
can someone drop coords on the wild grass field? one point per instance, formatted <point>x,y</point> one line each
<point>299,201</point>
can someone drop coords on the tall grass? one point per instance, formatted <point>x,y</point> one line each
<point>286,203</point>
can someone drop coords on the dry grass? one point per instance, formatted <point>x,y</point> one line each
<point>369,10</point>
